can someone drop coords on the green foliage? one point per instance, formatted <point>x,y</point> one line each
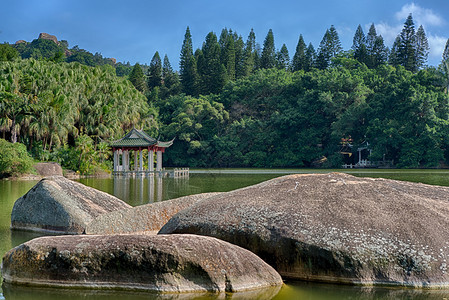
<point>268,59</point>
<point>54,103</point>
<point>241,107</point>
<point>155,72</point>
<point>7,52</point>
<point>14,159</point>
<point>137,78</point>
<point>187,66</point>
<point>299,61</point>
<point>211,71</point>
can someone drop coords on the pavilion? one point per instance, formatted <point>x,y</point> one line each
<point>137,141</point>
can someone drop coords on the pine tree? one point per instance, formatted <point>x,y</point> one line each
<point>422,48</point>
<point>376,51</point>
<point>445,62</point>
<point>187,66</point>
<point>371,39</point>
<point>211,72</point>
<point>393,58</point>
<point>283,58</point>
<point>170,78</point>
<point>299,61</point>
<point>239,58</point>
<point>335,45</point>
<point>323,57</point>
<point>229,57</point>
<point>268,59</point>
<point>137,78</point>
<point>310,57</point>
<point>379,53</point>
<point>407,47</point>
<point>359,45</point>
<point>249,54</point>
<point>446,53</point>
<point>330,46</point>
<point>155,71</point>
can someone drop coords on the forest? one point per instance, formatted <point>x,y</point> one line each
<point>233,103</point>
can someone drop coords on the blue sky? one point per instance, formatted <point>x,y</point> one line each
<point>134,30</point>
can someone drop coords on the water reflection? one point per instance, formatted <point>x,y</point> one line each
<point>317,291</point>
<point>141,189</point>
<point>13,292</point>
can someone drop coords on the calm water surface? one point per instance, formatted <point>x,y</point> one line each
<point>137,191</point>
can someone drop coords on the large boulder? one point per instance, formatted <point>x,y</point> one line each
<point>57,204</point>
<point>162,263</point>
<point>48,169</point>
<point>334,228</point>
<point>144,218</point>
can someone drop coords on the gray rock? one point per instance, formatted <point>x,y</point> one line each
<point>161,263</point>
<point>334,228</point>
<point>48,169</point>
<point>57,204</point>
<point>144,218</point>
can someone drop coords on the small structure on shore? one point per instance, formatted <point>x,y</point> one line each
<point>137,141</point>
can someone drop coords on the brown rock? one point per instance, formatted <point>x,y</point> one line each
<point>20,42</point>
<point>48,169</point>
<point>162,263</point>
<point>149,218</point>
<point>46,36</point>
<point>334,227</point>
<point>57,204</point>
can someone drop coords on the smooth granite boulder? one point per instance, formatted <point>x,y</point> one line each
<point>48,169</point>
<point>160,263</point>
<point>334,228</point>
<point>144,218</point>
<point>57,204</point>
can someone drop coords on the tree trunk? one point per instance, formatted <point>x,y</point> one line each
<point>13,131</point>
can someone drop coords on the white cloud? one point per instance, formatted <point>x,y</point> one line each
<point>388,32</point>
<point>436,45</point>
<point>421,16</point>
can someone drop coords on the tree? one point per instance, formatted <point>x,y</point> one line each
<point>359,45</point>
<point>268,59</point>
<point>14,159</point>
<point>239,46</point>
<point>137,78</point>
<point>299,61</point>
<point>155,72</point>
<point>406,52</point>
<point>393,58</point>
<point>171,84</point>
<point>310,57</point>
<point>228,54</point>
<point>249,54</point>
<point>212,73</point>
<point>445,62</point>
<point>422,48</point>
<point>330,46</point>
<point>379,53</point>
<point>187,66</point>
<point>283,59</point>
<point>7,52</point>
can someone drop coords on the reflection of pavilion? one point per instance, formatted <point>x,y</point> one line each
<point>138,141</point>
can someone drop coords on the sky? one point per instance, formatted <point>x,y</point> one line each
<point>132,31</point>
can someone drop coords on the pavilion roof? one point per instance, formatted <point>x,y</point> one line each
<point>139,138</point>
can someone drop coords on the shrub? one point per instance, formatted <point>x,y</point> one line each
<point>14,159</point>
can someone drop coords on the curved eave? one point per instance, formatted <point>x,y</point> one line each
<point>165,144</point>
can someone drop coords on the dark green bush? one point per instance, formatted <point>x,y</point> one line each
<point>14,159</point>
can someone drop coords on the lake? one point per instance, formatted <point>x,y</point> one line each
<point>137,191</point>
